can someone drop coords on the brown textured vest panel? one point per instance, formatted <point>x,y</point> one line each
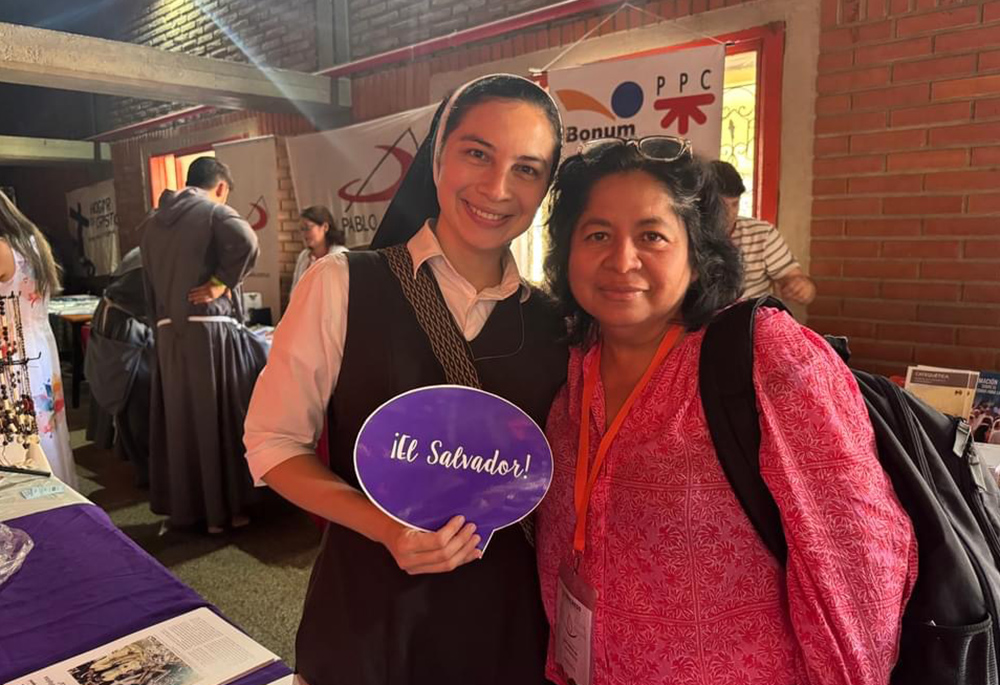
<point>368,623</point>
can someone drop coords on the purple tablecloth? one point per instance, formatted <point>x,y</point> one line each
<point>83,585</point>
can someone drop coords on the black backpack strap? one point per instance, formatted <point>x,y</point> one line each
<point>840,346</point>
<point>730,404</point>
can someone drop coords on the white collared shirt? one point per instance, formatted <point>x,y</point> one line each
<point>289,401</point>
<point>306,259</point>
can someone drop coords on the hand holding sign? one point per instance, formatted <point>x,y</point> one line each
<point>418,552</point>
<point>433,454</point>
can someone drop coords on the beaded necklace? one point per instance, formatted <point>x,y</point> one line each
<point>18,423</point>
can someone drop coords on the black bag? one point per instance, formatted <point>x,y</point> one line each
<point>950,631</point>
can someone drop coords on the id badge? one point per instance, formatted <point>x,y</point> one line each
<point>574,636</point>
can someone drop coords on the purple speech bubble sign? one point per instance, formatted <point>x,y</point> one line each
<point>436,452</point>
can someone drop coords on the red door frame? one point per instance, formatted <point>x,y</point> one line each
<point>770,56</point>
<point>769,43</point>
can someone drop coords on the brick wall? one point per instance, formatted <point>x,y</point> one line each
<point>905,231</point>
<point>380,25</point>
<point>289,237</point>
<point>278,33</point>
<point>406,86</point>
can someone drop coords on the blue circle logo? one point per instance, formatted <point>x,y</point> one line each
<point>626,101</point>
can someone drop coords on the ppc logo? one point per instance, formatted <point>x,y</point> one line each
<point>627,99</point>
<point>404,158</point>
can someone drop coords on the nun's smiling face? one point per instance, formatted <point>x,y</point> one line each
<point>494,173</point>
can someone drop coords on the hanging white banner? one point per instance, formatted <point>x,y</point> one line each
<point>254,165</point>
<point>354,171</point>
<point>673,93</point>
<point>93,221</point>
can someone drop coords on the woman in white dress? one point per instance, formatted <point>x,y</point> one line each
<point>28,269</point>
<point>320,236</point>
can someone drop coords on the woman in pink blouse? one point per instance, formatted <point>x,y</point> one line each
<point>664,580</point>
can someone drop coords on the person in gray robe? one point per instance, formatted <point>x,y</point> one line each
<point>119,356</point>
<point>196,252</point>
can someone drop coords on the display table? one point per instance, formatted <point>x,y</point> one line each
<point>76,311</point>
<point>84,584</point>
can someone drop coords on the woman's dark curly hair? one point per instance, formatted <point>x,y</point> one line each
<point>717,269</point>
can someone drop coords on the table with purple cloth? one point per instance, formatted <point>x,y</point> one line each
<point>84,584</point>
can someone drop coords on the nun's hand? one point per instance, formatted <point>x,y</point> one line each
<point>418,552</point>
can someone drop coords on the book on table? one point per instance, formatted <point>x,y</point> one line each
<point>196,648</point>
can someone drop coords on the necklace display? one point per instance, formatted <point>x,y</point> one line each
<point>18,425</point>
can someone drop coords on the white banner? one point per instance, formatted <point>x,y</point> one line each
<point>354,171</point>
<point>674,93</point>
<point>93,222</point>
<point>254,165</point>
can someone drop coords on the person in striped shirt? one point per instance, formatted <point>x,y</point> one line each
<point>767,262</point>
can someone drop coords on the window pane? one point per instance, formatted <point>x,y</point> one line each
<point>739,121</point>
<point>529,248</point>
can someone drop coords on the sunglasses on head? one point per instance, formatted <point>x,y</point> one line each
<point>656,148</point>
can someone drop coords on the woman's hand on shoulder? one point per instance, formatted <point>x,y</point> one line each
<point>417,552</point>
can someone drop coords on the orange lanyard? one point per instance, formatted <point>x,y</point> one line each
<point>585,480</point>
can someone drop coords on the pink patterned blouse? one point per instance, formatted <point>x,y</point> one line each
<point>688,594</point>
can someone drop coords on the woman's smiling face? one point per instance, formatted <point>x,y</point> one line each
<point>629,264</point>
<point>494,173</point>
